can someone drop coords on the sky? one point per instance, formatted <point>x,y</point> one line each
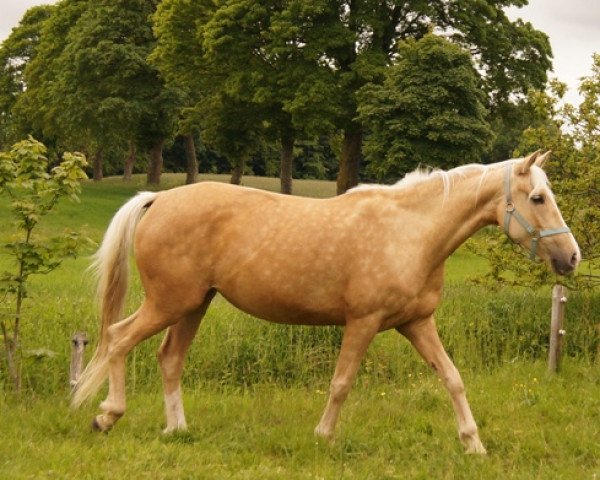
<point>573,27</point>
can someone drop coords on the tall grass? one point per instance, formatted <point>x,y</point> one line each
<point>481,329</point>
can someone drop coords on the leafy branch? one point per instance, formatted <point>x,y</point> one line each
<point>33,193</point>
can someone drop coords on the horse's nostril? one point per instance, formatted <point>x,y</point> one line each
<point>574,259</point>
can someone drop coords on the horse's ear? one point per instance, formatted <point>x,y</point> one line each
<point>527,162</point>
<point>539,161</point>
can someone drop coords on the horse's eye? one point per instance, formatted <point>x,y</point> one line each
<point>538,199</point>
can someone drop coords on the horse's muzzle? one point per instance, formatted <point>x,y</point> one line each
<point>565,266</point>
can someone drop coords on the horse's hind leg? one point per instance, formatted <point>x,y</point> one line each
<point>424,337</point>
<point>171,356</point>
<point>123,337</point>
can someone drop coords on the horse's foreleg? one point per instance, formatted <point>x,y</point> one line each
<point>424,337</point>
<point>171,356</point>
<point>357,337</point>
<point>123,337</point>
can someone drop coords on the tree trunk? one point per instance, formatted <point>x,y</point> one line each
<point>129,162</point>
<point>237,172</point>
<point>12,359</point>
<point>349,160</point>
<point>155,163</point>
<point>97,166</point>
<point>287,159</point>
<point>12,333</point>
<point>192,160</point>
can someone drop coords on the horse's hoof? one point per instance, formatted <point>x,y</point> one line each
<point>324,435</point>
<point>96,427</point>
<point>476,448</point>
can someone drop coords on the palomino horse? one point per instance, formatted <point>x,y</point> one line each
<point>371,260</point>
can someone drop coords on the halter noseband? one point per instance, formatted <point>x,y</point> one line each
<point>511,212</point>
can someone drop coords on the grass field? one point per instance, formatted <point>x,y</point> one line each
<point>255,391</point>
<point>534,426</point>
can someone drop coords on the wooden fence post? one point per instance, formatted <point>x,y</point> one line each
<point>557,332</point>
<point>78,343</point>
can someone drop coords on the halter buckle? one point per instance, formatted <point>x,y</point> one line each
<point>510,207</point>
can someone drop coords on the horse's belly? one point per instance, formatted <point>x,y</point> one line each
<point>284,288</point>
<point>289,311</point>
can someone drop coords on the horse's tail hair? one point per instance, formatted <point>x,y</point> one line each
<point>111,268</point>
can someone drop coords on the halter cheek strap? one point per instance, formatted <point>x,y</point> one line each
<point>512,212</point>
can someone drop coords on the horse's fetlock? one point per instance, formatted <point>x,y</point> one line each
<point>113,409</point>
<point>323,433</point>
<point>468,433</point>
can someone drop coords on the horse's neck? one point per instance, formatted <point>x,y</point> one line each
<point>469,205</point>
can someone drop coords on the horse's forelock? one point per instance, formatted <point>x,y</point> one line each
<point>539,179</point>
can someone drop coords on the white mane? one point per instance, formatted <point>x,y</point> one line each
<point>424,174</point>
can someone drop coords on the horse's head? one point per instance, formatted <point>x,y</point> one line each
<point>531,218</point>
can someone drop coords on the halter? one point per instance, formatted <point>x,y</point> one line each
<point>511,211</point>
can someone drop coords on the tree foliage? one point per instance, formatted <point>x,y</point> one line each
<point>361,42</point>
<point>298,66</point>
<point>247,73</point>
<point>91,87</point>
<point>40,107</point>
<point>16,52</point>
<point>428,110</point>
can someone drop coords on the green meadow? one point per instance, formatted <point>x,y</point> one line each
<point>254,391</point>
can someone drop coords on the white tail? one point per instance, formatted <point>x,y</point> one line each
<point>111,266</point>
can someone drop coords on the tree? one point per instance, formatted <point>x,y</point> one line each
<point>243,66</point>
<point>113,88</point>
<point>428,110</point>
<point>33,193</point>
<point>15,54</point>
<point>362,37</point>
<point>93,84</point>
<point>507,120</point>
<point>236,38</point>
<point>175,55</point>
<point>573,135</point>
<point>39,107</point>
<point>178,54</point>
<point>301,63</point>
